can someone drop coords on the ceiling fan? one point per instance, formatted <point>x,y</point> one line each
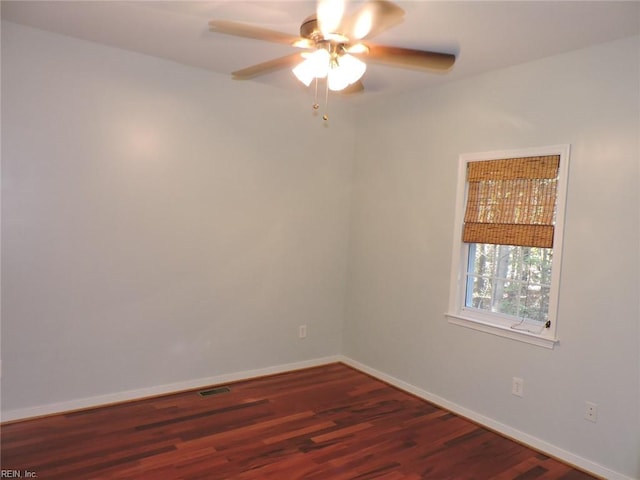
<point>335,46</point>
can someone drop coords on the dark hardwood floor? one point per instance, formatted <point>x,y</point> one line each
<point>324,423</point>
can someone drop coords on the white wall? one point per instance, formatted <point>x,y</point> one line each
<point>160,223</point>
<point>401,242</point>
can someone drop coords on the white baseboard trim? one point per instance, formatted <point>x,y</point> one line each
<point>510,432</point>
<point>101,400</point>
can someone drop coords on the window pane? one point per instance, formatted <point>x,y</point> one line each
<point>483,259</point>
<point>510,280</point>
<point>504,261</point>
<point>507,299</point>
<point>481,293</point>
<point>534,302</point>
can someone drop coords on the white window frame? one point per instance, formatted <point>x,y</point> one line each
<point>495,323</point>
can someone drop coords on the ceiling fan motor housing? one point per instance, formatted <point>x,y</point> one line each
<point>309,28</point>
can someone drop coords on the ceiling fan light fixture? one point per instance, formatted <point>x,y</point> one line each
<point>337,80</point>
<point>354,67</point>
<point>346,71</point>
<point>303,72</point>
<point>320,60</point>
<point>315,65</point>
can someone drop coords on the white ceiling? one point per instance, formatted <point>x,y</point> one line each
<point>484,35</point>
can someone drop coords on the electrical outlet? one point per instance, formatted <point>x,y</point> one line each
<point>302,331</point>
<point>517,387</point>
<point>591,412</point>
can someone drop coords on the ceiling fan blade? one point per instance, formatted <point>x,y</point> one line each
<point>269,66</point>
<point>373,18</point>
<point>250,31</point>
<point>329,15</point>
<point>409,58</point>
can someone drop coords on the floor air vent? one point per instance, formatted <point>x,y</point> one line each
<point>214,391</point>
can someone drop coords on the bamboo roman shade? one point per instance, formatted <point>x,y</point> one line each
<point>512,201</point>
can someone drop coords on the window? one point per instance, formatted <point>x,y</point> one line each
<point>508,243</point>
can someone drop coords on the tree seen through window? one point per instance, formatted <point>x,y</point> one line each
<point>511,280</point>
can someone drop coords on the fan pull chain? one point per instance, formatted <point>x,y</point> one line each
<point>316,106</point>
<point>325,116</point>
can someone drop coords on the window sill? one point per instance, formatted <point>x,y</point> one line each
<point>502,331</point>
